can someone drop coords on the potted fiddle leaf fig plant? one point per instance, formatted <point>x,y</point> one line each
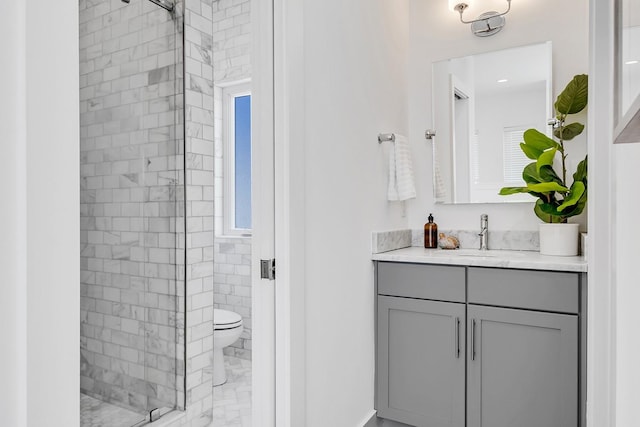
<point>558,199</point>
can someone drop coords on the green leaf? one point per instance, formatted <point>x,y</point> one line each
<point>575,193</point>
<point>581,171</point>
<point>569,131</point>
<point>549,208</point>
<point>506,191</point>
<point>538,140</point>
<point>547,187</point>
<point>547,174</point>
<point>577,208</point>
<point>573,98</point>
<point>539,210</point>
<point>530,174</point>
<point>530,152</point>
<point>546,159</point>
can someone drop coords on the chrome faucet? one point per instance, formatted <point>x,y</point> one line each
<point>484,231</point>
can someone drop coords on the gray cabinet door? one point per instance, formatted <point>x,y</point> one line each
<point>522,368</point>
<point>421,362</point>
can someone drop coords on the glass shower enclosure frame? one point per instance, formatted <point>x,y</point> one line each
<point>132,205</point>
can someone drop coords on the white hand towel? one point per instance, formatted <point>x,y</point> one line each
<point>441,190</point>
<point>401,182</point>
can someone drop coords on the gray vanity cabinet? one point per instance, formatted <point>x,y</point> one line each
<point>522,368</point>
<point>513,360</point>
<point>421,344</point>
<point>421,367</point>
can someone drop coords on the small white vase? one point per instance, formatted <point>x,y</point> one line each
<point>559,239</point>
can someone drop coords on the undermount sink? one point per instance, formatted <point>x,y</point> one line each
<point>477,253</point>
<point>468,252</point>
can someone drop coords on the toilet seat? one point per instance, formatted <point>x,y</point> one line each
<point>224,319</point>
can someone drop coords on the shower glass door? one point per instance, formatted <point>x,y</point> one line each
<point>162,183</point>
<point>132,210</point>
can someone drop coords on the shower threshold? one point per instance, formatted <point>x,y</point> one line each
<point>153,416</point>
<point>97,413</point>
<point>168,417</point>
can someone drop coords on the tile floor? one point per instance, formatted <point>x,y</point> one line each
<point>96,413</point>
<point>232,400</point>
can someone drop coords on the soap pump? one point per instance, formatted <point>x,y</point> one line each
<point>430,234</point>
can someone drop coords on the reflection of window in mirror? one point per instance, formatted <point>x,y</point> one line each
<point>513,159</point>
<point>461,144</point>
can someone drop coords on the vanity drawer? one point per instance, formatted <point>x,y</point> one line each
<point>530,289</point>
<point>436,282</point>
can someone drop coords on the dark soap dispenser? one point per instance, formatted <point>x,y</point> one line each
<point>431,234</point>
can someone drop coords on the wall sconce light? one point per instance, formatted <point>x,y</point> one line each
<point>484,25</point>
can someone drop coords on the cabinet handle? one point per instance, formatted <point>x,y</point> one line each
<point>457,337</point>
<point>473,339</point>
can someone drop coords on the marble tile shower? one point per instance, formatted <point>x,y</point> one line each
<point>96,413</point>
<point>131,159</point>
<point>147,203</point>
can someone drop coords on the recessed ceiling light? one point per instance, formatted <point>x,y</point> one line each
<point>503,81</point>
<point>634,61</point>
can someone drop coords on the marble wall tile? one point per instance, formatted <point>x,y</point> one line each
<point>498,240</point>
<point>131,121</point>
<point>384,241</point>
<point>232,286</point>
<point>199,210</point>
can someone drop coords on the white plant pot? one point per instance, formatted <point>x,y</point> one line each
<point>559,239</point>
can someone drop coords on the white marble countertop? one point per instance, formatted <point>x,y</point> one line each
<point>473,257</point>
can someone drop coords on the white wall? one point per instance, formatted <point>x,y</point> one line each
<point>355,63</point>
<point>13,316</point>
<point>40,224</point>
<point>437,34</point>
<point>627,254</point>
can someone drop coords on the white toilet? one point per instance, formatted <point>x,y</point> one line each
<point>227,327</point>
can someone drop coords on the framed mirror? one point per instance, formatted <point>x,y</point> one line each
<point>627,71</point>
<point>482,104</point>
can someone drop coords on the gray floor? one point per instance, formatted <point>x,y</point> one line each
<point>232,400</point>
<point>96,413</point>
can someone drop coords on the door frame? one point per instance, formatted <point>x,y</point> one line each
<point>601,310</point>
<point>262,185</point>
<point>278,210</point>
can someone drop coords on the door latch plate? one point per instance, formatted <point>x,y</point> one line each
<point>268,269</point>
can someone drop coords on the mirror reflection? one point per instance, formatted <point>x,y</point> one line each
<point>482,104</point>
<point>629,57</point>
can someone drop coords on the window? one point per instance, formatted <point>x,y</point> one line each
<point>237,152</point>
<point>513,157</point>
